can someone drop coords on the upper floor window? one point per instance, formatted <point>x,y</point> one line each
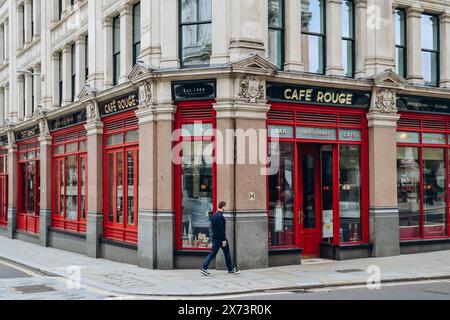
<point>73,71</point>
<point>136,31</point>
<point>116,50</point>
<point>60,78</point>
<point>400,42</point>
<point>430,49</point>
<point>60,8</point>
<point>276,32</point>
<point>313,35</point>
<point>195,32</point>
<point>86,58</point>
<point>348,38</point>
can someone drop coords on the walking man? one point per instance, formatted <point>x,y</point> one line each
<point>219,240</point>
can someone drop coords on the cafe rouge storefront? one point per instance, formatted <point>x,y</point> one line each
<point>318,199</point>
<point>423,176</point>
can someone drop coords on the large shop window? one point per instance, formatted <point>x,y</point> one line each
<point>121,177</point>
<point>3,186</point>
<point>325,147</point>
<point>29,186</point>
<point>195,176</point>
<point>422,177</point>
<point>70,181</point>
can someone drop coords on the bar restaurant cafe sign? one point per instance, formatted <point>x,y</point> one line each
<point>122,103</point>
<point>317,95</point>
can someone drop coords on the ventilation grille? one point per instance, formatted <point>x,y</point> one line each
<point>432,124</point>
<point>196,113</point>
<point>317,118</point>
<point>121,124</point>
<point>281,115</point>
<point>350,119</point>
<point>71,136</point>
<point>409,123</point>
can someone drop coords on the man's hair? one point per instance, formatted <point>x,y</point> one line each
<point>222,204</point>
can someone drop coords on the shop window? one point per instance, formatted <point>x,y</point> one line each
<point>3,187</point>
<point>29,187</point>
<point>70,181</point>
<point>313,35</point>
<point>276,32</point>
<point>195,32</point>
<point>121,178</point>
<point>350,193</point>
<point>281,196</point>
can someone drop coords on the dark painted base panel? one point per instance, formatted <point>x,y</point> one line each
<point>27,237</point>
<point>350,252</point>
<point>119,252</point>
<point>3,231</point>
<point>67,241</point>
<point>192,260</point>
<point>411,247</point>
<point>285,257</point>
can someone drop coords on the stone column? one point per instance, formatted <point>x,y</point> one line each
<point>108,53</point>
<point>2,44</point>
<point>67,79</point>
<point>445,49</point>
<point>6,39</point>
<point>147,223</point>
<point>379,39</point>
<point>8,108</point>
<point>220,32</point>
<point>20,27</point>
<point>360,36</point>
<point>2,107</point>
<point>21,97</point>
<point>12,185</point>
<point>37,85</point>
<point>96,45</point>
<point>169,30</point>
<point>155,41</point>
<point>146,30</point>
<point>80,54</point>
<point>126,42</point>
<point>55,77</point>
<point>293,32</point>
<point>46,176</point>
<point>414,44</point>
<point>384,216</point>
<point>334,38</point>
<point>94,223</point>
<point>249,25</point>
<point>27,21</point>
<point>37,17</point>
<point>28,95</point>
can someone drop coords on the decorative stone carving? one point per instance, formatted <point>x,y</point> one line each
<point>251,89</point>
<point>92,112</point>
<point>384,101</point>
<point>44,131</point>
<point>145,94</point>
<point>11,136</point>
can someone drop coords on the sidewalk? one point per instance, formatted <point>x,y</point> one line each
<point>130,280</point>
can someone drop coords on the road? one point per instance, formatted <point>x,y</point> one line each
<point>427,290</point>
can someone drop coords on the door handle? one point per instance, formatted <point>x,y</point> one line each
<point>300,217</point>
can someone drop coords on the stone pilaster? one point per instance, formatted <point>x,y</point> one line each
<point>80,54</point>
<point>107,54</point>
<point>94,223</point>
<point>147,223</point>
<point>445,49</point>
<point>37,17</point>
<point>27,20</point>
<point>126,39</point>
<point>293,60</point>
<point>12,184</point>
<point>169,28</point>
<point>414,43</point>
<point>220,36</point>
<point>334,38</point>
<point>360,36</point>
<point>46,176</point>
<point>28,95</point>
<point>97,46</point>
<point>384,216</point>
<point>21,99</point>
<point>66,73</point>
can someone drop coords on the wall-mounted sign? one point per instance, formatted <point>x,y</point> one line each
<point>119,104</point>
<point>279,131</point>
<point>316,95</point>
<point>316,133</point>
<point>194,90</point>
<point>68,120</point>
<point>350,135</point>
<point>27,133</point>
<point>422,104</point>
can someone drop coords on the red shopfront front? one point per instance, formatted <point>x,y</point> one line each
<point>28,205</point>
<point>318,176</point>
<point>3,186</point>
<point>121,165</point>
<point>423,170</point>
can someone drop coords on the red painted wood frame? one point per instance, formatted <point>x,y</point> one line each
<point>299,115</point>
<point>118,127</point>
<point>62,140</point>
<point>29,152</point>
<point>3,186</point>
<point>425,123</point>
<point>189,112</point>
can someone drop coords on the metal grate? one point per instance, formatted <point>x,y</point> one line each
<point>196,113</point>
<point>317,117</point>
<point>349,271</point>
<point>34,289</point>
<point>409,123</point>
<point>433,124</point>
<point>121,124</point>
<point>283,115</point>
<point>350,119</point>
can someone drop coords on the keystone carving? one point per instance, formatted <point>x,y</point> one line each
<point>384,101</point>
<point>145,94</point>
<point>43,127</point>
<point>251,89</point>
<point>92,112</point>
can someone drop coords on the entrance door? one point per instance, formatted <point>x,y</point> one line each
<point>309,199</point>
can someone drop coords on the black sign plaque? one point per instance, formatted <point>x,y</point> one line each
<point>194,90</point>
<point>122,103</point>
<point>68,120</point>
<point>317,95</point>
<point>423,104</point>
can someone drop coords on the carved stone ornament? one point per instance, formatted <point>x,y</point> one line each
<point>92,112</point>
<point>43,127</point>
<point>11,137</point>
<point>145,94</point>
<point>384,101</point>
<point>251,89</point>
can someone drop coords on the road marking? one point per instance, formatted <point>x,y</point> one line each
<point>16,267</point>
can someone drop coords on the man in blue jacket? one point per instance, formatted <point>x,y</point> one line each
<point>219,240</point>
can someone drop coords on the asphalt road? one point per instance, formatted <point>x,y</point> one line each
<point>429,290</point>
<point>9,271</point>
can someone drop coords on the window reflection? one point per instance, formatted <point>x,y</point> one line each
<point>313,35</point>
<point>72,188</point>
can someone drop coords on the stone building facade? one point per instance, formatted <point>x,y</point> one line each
<point>351,100</point>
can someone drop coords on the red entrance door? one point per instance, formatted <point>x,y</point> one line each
<point>309,199</point>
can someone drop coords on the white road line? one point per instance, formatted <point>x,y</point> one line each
<point>16,267</point>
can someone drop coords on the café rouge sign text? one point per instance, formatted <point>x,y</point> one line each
<point>120,104</point>
<point>318,96</point>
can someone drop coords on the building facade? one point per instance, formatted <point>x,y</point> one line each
<point>324,124</point>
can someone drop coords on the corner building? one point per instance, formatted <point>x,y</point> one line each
<point>351,100</point>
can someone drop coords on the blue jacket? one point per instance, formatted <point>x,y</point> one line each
<point>218,225</point>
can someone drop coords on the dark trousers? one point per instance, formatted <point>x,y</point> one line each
<point>215,249</point>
